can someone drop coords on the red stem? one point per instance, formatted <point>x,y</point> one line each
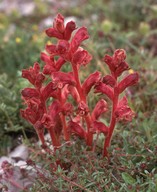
<point>83,98</point>
<point>112,122</point>
<point>54,139</point>
<point>65,128</point>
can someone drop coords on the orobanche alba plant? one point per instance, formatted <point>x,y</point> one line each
<point>47,101</point>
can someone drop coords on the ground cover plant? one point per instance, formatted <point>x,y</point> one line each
<point>133,157</point>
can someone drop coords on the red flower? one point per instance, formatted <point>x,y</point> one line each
<point>109,80</point>
<point>100,107</point>
<point>73,91</point>
<point>34,111</point>
<point>47,91</point>
<point>58,28</point>
<point>51,49</point>
<point>130,80</point>
<point>90,82</point>
<point>58,23</point>
<point>60,79</point>
<point>105,89</point>
<point>81,57</point>
<point>49,118</point>
<point>51,32</point>
<point>77,129</point>
<point>70,27</point>
<point>80,35</point>
<point>29,93</point>
<point>123,111</point>
<point>100,127</point>
<point>33,75</point>
<point>62,48</point>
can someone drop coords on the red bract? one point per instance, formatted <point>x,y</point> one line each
<point>58,101</point>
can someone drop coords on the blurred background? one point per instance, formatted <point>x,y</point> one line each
<point>112,24</point>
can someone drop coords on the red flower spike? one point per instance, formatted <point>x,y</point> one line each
<point>90,82</point>
<point>80,35</point>
<point>101,107</point>
<point>105,89</point>
<point>117,64</point>
<point>100,127</point>
<point>109,80</point>
<point>70,27</point>
<point>130,80</point>
<point>58,23</point>
<point>77,129</point>
<point>81,57</point>
<point>51,32</point>
<point>56,116</point>
<point>123,111</point>
<point>83,109</point>
<point>28,93</point>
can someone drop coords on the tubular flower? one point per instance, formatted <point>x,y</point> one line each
<point>105,89</point>
<point>81,57</point>
<point>101,107</point>
<point>123,111</point>
<point>33,75</point>
<point>130,80</point>
<point>77,129</point>
<point>60,79</point>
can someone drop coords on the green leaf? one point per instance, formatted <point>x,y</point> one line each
<point>128,178</point>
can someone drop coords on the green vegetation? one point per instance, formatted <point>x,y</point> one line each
<point>130,25</point>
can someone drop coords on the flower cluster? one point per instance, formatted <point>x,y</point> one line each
<point>48,105</point>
